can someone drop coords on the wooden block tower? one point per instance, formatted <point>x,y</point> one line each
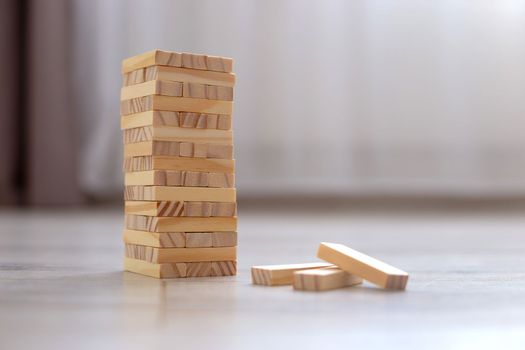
<point>180,199</point>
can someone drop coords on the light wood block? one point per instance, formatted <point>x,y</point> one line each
<point>176,119</point>
<point>182,194</point>
<point>178,149</point>
<point>362,265</point>
<point>271,275</point>
<point>175,59</point>
<point>179,178</point>
<point>324,279</point>
<point>168,133</point>
<point>180,224</point>
<point>180,208</point>
<point>152,87</point>
<point>211,92</point>
<point>180,239</point>
<point>177,74</point>
<point>181,270</point>
<point>210,165</point>
<point>176,104</point>
<point>175,255</point>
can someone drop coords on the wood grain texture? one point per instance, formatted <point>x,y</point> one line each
<point>176,119</point>
<point>272,275</point>
<point>180,208</point>
<point>324,279</point>
<point>180,239</point>
<point>175,255</point>
<point>180,224</point>
<point>183,194</point>
<point>168,133</point>
<point>211,92</point>
<point>179,178</point>
<point>362,265</point>
<point>178,149</point>
<point>176,104</point>
<point>181,270</point>
<point>179,75</point>
<point>176,59</point>
<point>152,87</point>
<point>215,166</point>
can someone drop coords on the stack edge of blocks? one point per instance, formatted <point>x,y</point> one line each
<point>179,170</point>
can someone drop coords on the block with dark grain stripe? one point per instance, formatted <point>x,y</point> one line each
<point>179,208</point>
<point>176,119</point>
<point>218,167</point>
<point>180,239</point>
<point>178,134</point>
<point>179,178</point>
<point>178,149</point>
<point>171,255</point>
<point>180,270</point>
<point>177,104</point>
<point>180,224</point>
<point>181,194</point>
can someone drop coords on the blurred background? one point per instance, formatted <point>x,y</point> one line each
<point>335,99</point>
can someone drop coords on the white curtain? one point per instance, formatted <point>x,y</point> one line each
<point>343,97</point>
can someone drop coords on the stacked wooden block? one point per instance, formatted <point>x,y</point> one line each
<point>180,199</point>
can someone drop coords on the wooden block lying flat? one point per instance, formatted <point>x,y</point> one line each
<point>176,59</point>
<point>176,119</point>
<point>175,255</point>
<point>211,92</point>
<point>272,275</point>
<point>152,87</point>
<point>176,104</point>
<point>177,74</point>
<point>179,178</point>
<point>210,165</point>
<point>180,208</point>
<point>180,270</point>
<point>362,265</point>
<point>181,194</point>
<point>168,133</point>
<point>181,239</point>
<point>324,279</point>
<point>178,149</point>
<point>180,224</point>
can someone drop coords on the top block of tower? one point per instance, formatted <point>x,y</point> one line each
<point>175,59</point>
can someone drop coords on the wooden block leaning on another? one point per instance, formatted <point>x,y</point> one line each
<point>181,270</point>
<point>178,149</point>
<point>176,119</point>
<point>177,59</point>
<point>180,224</point>
<point>183,194</point>
<point>181,208</point>
<point>271,275</point>
<point>177,74</point>
<point>362,265</point>
<point>181,239</point>
<point>324,279</point>
<point>174,88</point>
<point>179,178</point>
<point>209,165</point>
<point>174,255</point>
<point>168,133</point>
<point>176,104</point>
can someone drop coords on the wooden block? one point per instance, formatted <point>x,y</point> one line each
<point>178,149</point>
<point>221,180</point>
<point>212,92</point>
<point>271,275</point>
<point>180,75</point>
<point>176,119</point>
<point>324,279</point>
<point>180,239</point>
<point>170,270</point>
<point>180,208</point>
<point>223,268</point>
<point>362,265</point>
<point>176,104</point>
<point>198,269</point>
<point>210,165</point>
<point>179,178</point>
<point>152,87</point>
<point>180,224</point>
<point>219,64</point>
<point>183,194</point>
<point>168,133</point>
<point>175,255</point>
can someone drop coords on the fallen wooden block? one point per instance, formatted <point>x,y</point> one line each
<point>168,133</point>
<point>180,239</point>
<point>178,149</point>
<point>176,59</point>
<point>362,265</point>
<point>176,119</point>
<point>152,87</point>
<point>179,178</point>
<point>175,255</point>
<point>181,208</point>
<point>324,279</point>
<point>182,194</point>
<point>271,275</point>
<point>210,165</point>
<point>176,104</point>
<point>177,74</point>
<point>181,270</point>
<point>180,224</point>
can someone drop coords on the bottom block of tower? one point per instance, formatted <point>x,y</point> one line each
<point>180,270</point>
